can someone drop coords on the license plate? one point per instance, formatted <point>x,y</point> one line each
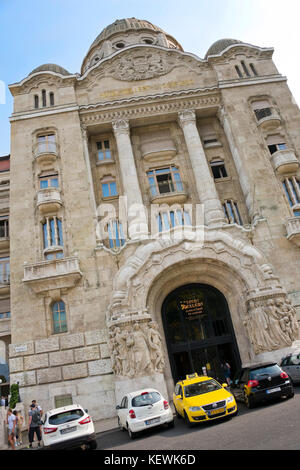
<point>66,430</point>
<point>272,390</point>
<point>152,421</point>
<point>215,412</point>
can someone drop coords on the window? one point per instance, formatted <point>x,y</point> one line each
<point>103,150</point>
<point>165,180</point>
<point>53,238</point>
<point>4,315</point>
<point>218,169</point>
<point>253,69</point>
<point>115,234</point>
<point>46,143</point>
<point>262,109</point>
<point>238,71</point>
<point>4,227</point>
<point>4,270</point>
<point>51,96</point>
<point>167,220</point>
<point>48,181</point>
<point>59,317</point>
<point>231,212</point>
<point>44,102</point>
<point>275,143</point>
<point>109,187</point>
<point>63,400</point>
<point>291,188</point>
<point>245,68</point>
<point>4,309</point>
<point>36,101</point>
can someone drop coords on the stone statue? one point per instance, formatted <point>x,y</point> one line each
<point>154,340</point>
<point>141,350</point>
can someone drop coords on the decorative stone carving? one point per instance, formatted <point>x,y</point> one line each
<point>141,65</point>
<point>136,349</point>
<point>271,324</point>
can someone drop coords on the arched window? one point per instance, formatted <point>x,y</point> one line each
<point>51,96</point>
<point>44,103</point>
<point>115,234</point>
<point>109,187</point>
<point>36,101</point>
<point>59,317</point>
<point>232,212</point>
<point>53,238</point>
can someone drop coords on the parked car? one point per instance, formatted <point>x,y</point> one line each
<point>261,382</point>
<point>142,410</point>
<point>291,365</point>
<point>68,427</point>
<point>202,398</point>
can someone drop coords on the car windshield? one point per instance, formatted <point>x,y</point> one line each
<point>147,398</point>
<point>66,416</point>
<point>199,388</point>
<point>261,371</point>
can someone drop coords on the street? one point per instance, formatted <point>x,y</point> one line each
<point>271,426</point>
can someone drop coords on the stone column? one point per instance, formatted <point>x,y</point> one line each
<point>137,221</point>
<point>90,180</point>
<point>213,213</point>
<point>240,167</point>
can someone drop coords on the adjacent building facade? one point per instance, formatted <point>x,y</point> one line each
<point>154,217</point>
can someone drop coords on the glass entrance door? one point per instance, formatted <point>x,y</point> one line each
<point>199,332</point>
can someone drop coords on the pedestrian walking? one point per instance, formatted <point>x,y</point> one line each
<point>11,424</point>
<point>3,401</point>
<point>34,423</point>
<point>19,427</point>
<point>226,371</point>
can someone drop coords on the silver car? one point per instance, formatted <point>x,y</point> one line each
<point>291,365</point>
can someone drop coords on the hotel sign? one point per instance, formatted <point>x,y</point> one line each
<point>192,308</point>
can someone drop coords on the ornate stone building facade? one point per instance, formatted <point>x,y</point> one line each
<point>154,225</point>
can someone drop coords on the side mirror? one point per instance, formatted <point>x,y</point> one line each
<point>225,385</point>
<point>118,407</point>
<point>179,397</point>
<point>86,410</point>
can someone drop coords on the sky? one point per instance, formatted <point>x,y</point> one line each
<point>35,32</point>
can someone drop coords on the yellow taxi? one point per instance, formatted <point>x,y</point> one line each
<point>202,398</point>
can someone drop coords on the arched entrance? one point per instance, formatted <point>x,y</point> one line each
<point>199,331</point>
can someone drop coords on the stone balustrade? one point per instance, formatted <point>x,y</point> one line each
<point>285,161</point>
<point>48,200</point>
<point>293,230</point>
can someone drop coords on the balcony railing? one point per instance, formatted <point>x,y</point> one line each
<point>45,152</point>
<point>267,118</point>
<point>169,192</point>
<point>48,200</point>
<point>284,161</point>
<point>55,274</point>
<point>293,229</point>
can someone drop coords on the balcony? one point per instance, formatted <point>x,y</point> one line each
<point>267,118</point>
<point>168,193</point>
<point>45,153</point>
<point>55,274</point>
<point>48,200</point>
<point>161,148</point>
<point>293,230</point>
<point>285,161</point>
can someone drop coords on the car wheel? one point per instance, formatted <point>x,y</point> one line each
<point>187,420</point>
<point>92,445</point>
<point>131,433</point>
<point>248,401</point>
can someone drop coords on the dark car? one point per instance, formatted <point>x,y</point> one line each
<point>291,365</point>
<point>261,382</point>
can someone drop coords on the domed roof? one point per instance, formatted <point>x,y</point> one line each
<point>50,68</point>
<point>221,45</point>
<point>125,25</point>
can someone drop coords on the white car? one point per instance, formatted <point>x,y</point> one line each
<point>68,427</point>
<point>142,410</point>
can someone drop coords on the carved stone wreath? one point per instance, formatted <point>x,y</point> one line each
<point>141,65</point>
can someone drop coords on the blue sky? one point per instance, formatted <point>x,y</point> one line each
<point>34,32</point>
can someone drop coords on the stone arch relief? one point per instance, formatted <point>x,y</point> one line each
<point>135,342</point>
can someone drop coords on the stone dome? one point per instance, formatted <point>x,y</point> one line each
<point>50,68</point>
<point>125,33</point>
<point>221,45</point>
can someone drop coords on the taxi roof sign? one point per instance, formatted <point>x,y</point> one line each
<point>192,376</point>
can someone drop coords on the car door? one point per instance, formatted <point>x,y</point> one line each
<point>292,367</point>
<point>179,399</point>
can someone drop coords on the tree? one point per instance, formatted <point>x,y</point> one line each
<point>14,395</point>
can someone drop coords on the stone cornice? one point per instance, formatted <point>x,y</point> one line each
<point>150,105</point>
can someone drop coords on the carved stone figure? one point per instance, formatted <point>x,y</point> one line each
<point>136,350</point>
